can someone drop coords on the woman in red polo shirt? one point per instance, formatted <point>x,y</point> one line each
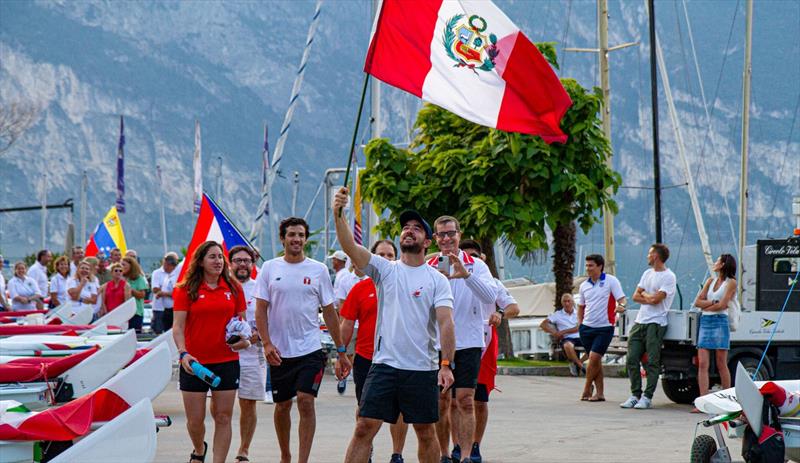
<point>204,302</point>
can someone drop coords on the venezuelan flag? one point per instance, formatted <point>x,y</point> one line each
<point>107,236</point>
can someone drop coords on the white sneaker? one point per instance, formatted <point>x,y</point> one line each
<point>268,399</point>
<point>630,403</point>
<point>644,404</point>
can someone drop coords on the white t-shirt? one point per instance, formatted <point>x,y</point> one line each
<point>470,295</point>
<point>157,280</point>
<point>2,285</point>
<point>253,355</point>
<point>88,290</point>
<point>295,293</point>
<point>73,269</point>
<point>39,274</point>
<point>406,327</point>
<point>503,299</point>
<point>653,282</point>
<point>345,280</point>
<point>169,285</point>
<point>58,285</point>
<point>564,321</point>
<point>25,287</point>
<point>600,300</point>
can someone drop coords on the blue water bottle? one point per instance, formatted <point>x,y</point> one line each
<point>205,374</point>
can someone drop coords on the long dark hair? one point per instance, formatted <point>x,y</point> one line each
<point>728,269</point>
<point>193,277</point>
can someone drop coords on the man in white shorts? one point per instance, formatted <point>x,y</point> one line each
<point>413,299</point>
<point>289,292</point>
<point>252,364</point>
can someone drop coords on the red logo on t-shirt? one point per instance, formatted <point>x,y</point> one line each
<point>306,280</point>
<point>417,293</point>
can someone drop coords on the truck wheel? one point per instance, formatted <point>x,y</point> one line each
<point>703,449</point>
<point>750,364</point>
<point>681,391</point>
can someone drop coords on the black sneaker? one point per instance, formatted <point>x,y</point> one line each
<point>475,454</point>
<point>446,460</point>
<point>396,458</point>
<point>341,386</point>
<point>455,455</point>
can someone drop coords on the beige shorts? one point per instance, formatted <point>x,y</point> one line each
<point>253,382</point>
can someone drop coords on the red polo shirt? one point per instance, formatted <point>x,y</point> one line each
<point>207,318</point>
<point>362,305</point>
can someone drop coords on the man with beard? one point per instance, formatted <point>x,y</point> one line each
<point>413,299</point>
<point>252,364</point>
<point>473,287</point>
<point>289,291</point>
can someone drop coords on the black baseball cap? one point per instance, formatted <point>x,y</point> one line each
<point>411,214</point>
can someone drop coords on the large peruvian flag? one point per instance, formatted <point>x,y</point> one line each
<point>467,57</point>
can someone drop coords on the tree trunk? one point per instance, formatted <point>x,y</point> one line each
<point>564,237</point>
<point>504,345</point>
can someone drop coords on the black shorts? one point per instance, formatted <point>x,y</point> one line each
<point>596,339</point>
<point>361,367</point>
<point>297,374</point>
<point>481,393</point>
<point>390,391</point>
<point>228,373</point>
<point>576,342</point>
<point>136,323</point>
<point>466,365</point>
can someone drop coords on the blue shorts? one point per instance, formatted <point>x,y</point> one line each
<point>714,332</point>
<point>596,339</point>
<point>576,342</point>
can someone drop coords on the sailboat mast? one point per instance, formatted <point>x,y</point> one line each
<point>748,38</point>
<point>654,101</point>
<point>608,216</point>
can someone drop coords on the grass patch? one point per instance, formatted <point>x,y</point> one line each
<point>520,362</point>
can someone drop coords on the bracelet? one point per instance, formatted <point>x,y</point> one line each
<point>445,363</point>
<point>341,349</point>
<point>182,355</point>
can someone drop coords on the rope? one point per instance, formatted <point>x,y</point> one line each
<point>777,323</point>
<point>780,171</point>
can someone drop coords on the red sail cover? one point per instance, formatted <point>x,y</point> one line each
<point>30,369</point>
<point>68,421</point>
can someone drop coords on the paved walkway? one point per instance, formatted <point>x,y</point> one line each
<point>534,418</point>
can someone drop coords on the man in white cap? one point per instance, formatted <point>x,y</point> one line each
<point>343,282</point>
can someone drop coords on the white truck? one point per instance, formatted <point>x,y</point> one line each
<point>776,263</point>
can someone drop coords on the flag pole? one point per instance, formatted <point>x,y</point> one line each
<point>355,131</point>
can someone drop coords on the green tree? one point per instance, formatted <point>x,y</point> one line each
<point>499,184</point>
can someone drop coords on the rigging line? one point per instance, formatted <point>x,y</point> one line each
<point>708,116</point>
<point>721,70</point>
<point>690,90</point>
<point>633,187</point>
<point>783,161</point>
<point>564,38</point>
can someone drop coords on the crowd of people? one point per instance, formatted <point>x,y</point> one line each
<point>417,332</point>
<point>101,282</point>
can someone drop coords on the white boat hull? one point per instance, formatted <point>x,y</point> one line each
<point>119,317</point>
<point>128,438</point>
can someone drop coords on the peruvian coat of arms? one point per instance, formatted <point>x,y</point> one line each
<point>467,44</point>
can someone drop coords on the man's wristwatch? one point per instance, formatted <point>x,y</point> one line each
<point>501,311</point>
<point>341,349</point>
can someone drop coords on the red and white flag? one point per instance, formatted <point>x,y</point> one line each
<point>466,56</point>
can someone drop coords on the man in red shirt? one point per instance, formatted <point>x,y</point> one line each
<point>361,306</point>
